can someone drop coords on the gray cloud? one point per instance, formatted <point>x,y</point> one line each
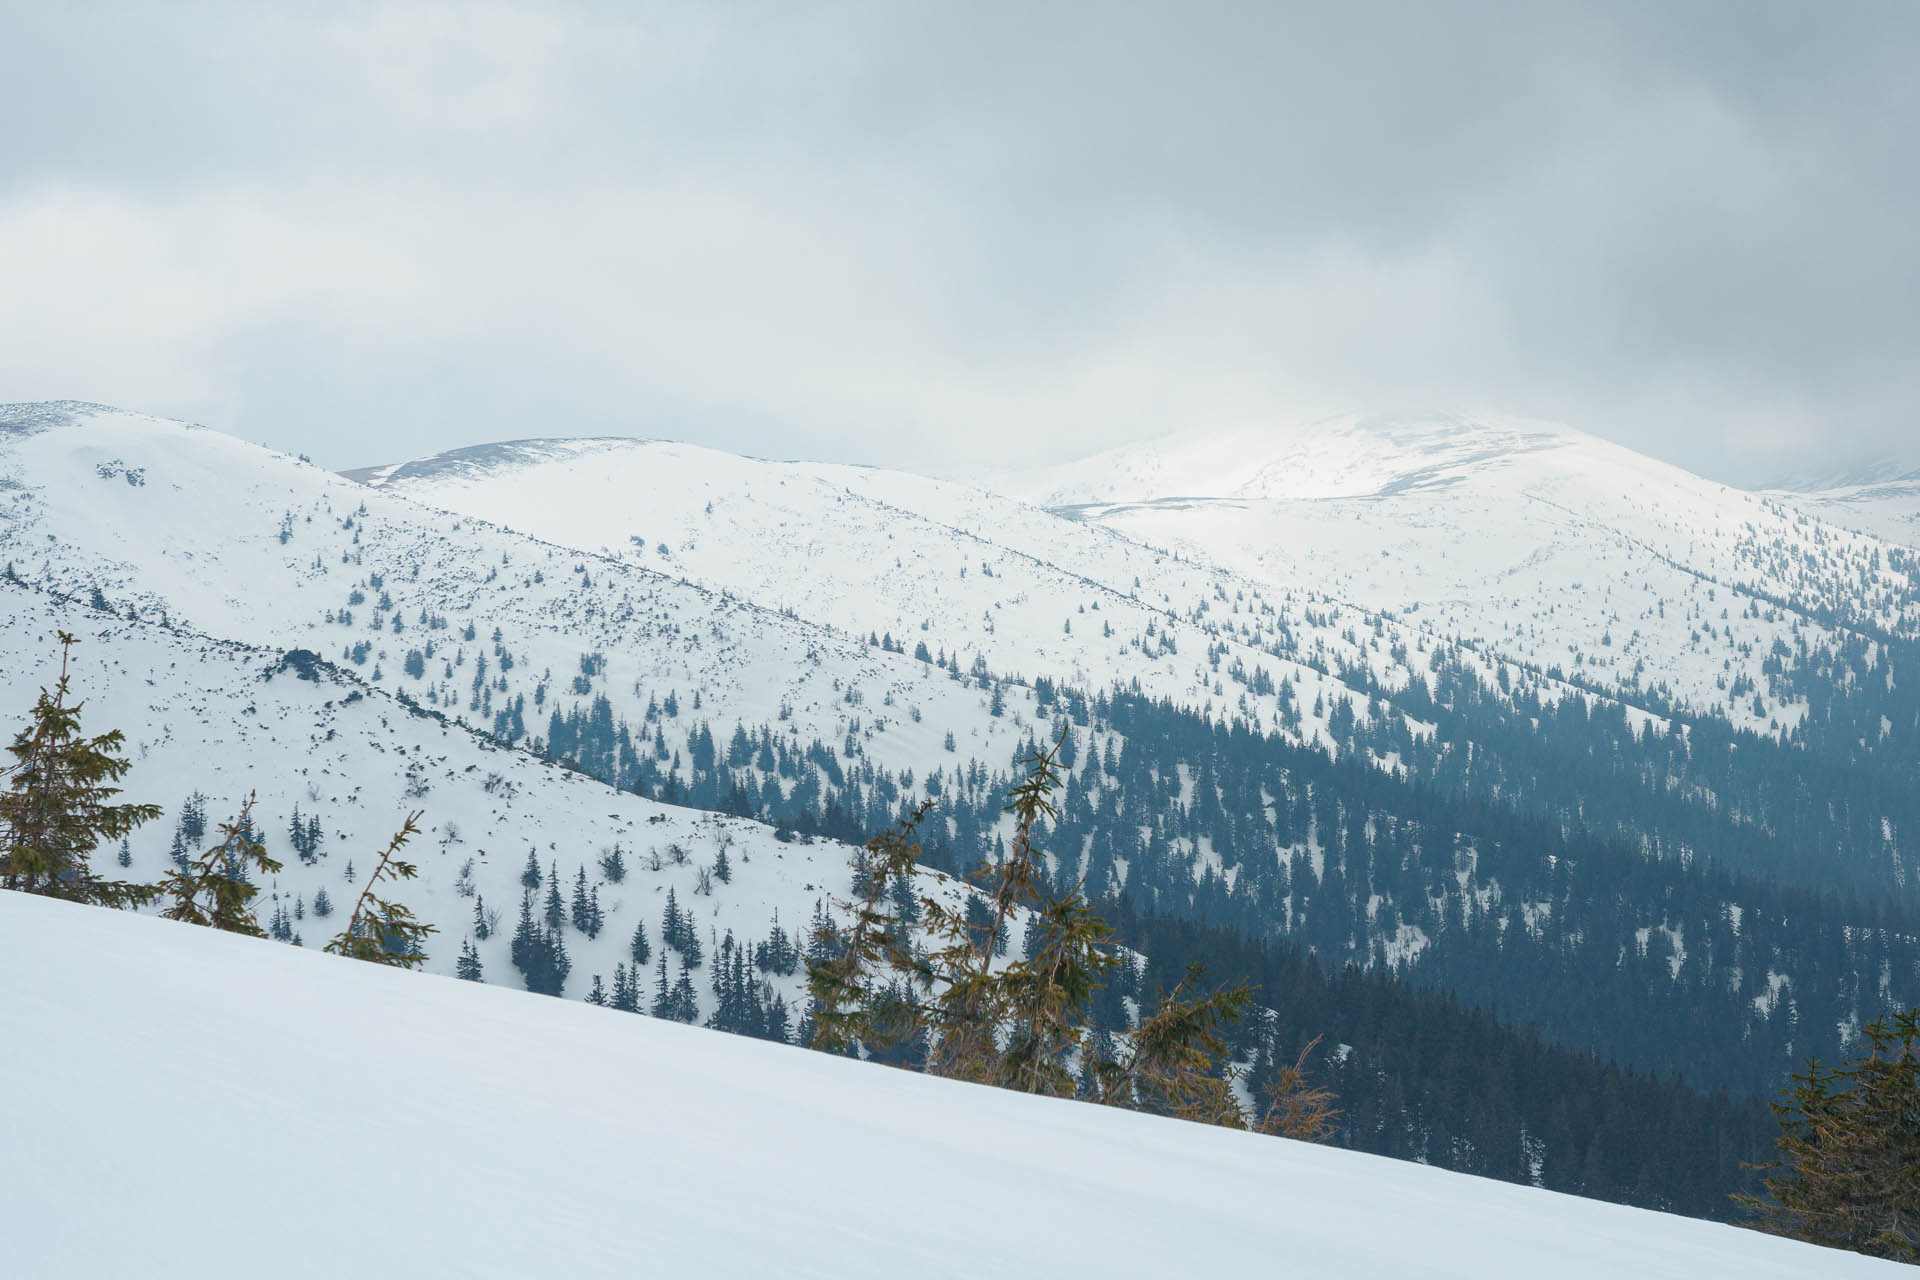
<point>907,235</point>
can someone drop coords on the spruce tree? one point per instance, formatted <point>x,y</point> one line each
<point>468,966</point>
<point>638,948</point>
<point>381,931</point>
<point>875,990</point>
<point>1849,1169</point>
<point>215,891</point>
<point>582,916</point>
<point>556,909</point>
<point>56,807</point>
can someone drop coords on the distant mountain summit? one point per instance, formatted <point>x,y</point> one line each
<point>1347,456</point>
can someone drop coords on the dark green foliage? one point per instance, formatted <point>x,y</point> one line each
<point>215,890</point>
<point>304,835</point>
<point>613,865</point>
<point>626,993</point>
<point>482,927</point>
<point>530,877</point>
<point>1422,1077</point>
<point>322,904</point>
<point>638,948</point>
<point>678,931</point>
<point>587,916</point>
<point>675,1001</point>
<point>381,931</point>
<point>1849,1168</point>
<point>539,953</point>
<point>1021,1025</point>
<point>468,965</point>
<point>556,912</point>
<point>57,804</point>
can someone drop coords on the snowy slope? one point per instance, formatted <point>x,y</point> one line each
<point>227,720</point>
<point>873,553</point>
<point>1887,507</point>
<point>1540,543</point>
<point>203,1105</point>
<point>174,522</point>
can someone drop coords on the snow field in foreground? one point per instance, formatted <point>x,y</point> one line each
<point>179,1102</point>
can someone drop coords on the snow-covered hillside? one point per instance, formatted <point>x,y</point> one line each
<point>191,1103</point>
<point>226,721</point>
<point>1887,507</point>
<point>1541,544</point>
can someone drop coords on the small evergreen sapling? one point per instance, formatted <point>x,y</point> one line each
<point>215,891</point>
<point>381,931</point>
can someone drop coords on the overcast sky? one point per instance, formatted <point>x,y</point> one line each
<point>914,235</point>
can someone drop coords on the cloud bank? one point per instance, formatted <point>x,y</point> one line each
<point>917,235</point>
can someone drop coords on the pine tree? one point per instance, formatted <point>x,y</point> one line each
<point>524,949</point>
<point>626,988</point>
<point>530,877</point>
<point>1850,1150</point>
<point>468,966</point>
<point>638,948</point>
<point>56,808</point>
<point>874,989</point>
<point>598,995</point>
<point>662,990</point>
<point>556,914</point>
<point>322,904</point>
<point>481,929</point>
<point>722,869</point>
<point>581,916</point>
<point>215,891</point>
<point>381,931</point>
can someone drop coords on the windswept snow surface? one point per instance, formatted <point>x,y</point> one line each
<point>180,1102</point>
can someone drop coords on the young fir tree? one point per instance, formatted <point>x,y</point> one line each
<point>381,931</point>
<point>1849,1169</point>
<point>468,966</point>
<point>1018,1025</point>
<point>57,804</point>
<point>638,948</point>
<point>214,891</point>
<point>481,929</point>
<point>556,909</point>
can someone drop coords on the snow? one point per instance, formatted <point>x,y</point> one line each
<point>198,1104</point>
<point>1540,545</point>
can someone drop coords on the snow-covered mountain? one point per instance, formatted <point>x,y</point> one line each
<point>1887,506</point>
<point>567,647</point>
<point>443,1128</point>
<point>1538,543</point>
